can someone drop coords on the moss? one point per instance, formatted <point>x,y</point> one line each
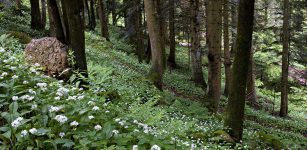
<point>270,140</point>
<point>23,38</point>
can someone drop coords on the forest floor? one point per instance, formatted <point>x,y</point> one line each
<point>128,103</point>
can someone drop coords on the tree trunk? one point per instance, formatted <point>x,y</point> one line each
<point>234,20</point>
<point>35,15</point>
<point>103,20</point>
<point>56,22</point>
<point>138,30</point>
<point>52,29</point>
<point>92,25</point>
<point>227,60</point>
<point>172,54</point>
<point>87,13</point>
<point>18,7</point>
<point>162,22</point>
<point>44,13</point>
<point>76,31</point>
<point>65,22</point>
<point>214,55</point>
<point>236,101</point>
<point>196,52</point>
<point>251,94</point>
<point>285,62</point>
<point>153,23</point>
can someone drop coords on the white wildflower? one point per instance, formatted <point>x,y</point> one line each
<point>61,118</point>
<point>107,111</point>
<point>80,89</point>
<point>17,122</point>
<point>74,123</point>
<point>15,98</point>
<point>13,68</point>
<point>57,98</point>
<point>54,109</point>
<point>115,132</point>
<point>155,147</point>
<point>24,133</point>
<point>33,131</point>
<point>62,134</point>
<point>135,147</point>
<point>62,91</point>
<point>42,86</point>
<point>27,97</point>
<point>117,120</point>
<point>2,50</point>
<point>91,117</point>
<point>14,77</point>
<point>4,74</point>
<point>98,127</point>
<point>31,91</point>
<point>135,121</point>
<point>80,97</point>
<point>72,98</point>
<point>25,82</point>
<point>95,108</point>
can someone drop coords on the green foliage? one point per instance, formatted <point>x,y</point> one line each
<point>23,38</point>
<point>10,43</point>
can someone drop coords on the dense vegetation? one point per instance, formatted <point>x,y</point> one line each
<point>120,108</point>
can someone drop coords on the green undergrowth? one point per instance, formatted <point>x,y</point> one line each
<point>122,108</point>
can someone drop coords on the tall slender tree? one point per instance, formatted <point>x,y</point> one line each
<point>36,21</point>
<point>56,22</point>
<point>214,26</point>
<point>44,13</point>
<point>236,102</point>
<point>285,62</point>
<point>172,45</point>
<point>227,60</point>
<point>75,11</point>
<point>196,52</point>
<point>92,23</point>
<point>153,24</point>
<point>103,20</point>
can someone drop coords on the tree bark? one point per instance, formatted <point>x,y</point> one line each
<point>75,11</point>
<point>138,30</point>
<point>172,54</point>
<point>236,101</point>
<point>56,22</point>
<point>227,60</point>
<point>251,94</point>
<point>44,13</point>
<point>153,23</point>
<point>285,62</point>
<point>103,20</point>
<point>35,15</point>
<point>196,52</point>
<point>65,22</point>
<point>214,55</point>
<point>92,25</point>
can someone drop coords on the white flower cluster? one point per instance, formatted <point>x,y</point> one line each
<point>155,147</point>
<point>2,50</point>
<point>17,122</point>
<point>74,123</point>
<point>98,127</point>
<point>62,92</point>
<point>95,108</point>
<point>27,97</point>
<point>61,118</point>
<point>61,134</point>
<point>23,133</point>
<point>33,131</point>
<point>54,109</point>
<point>42,86</point>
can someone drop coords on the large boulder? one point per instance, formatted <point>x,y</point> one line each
<point>51,54</point>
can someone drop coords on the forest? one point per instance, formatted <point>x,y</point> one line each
<point>153,74</point>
